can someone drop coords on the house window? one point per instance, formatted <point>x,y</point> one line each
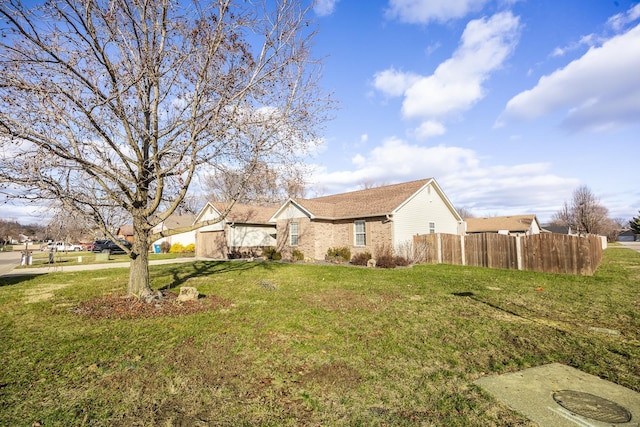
<point>360,233</point>
<point>293,234</point>
<point>432,227</point>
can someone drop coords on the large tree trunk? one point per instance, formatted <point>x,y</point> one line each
<point>139,272</point>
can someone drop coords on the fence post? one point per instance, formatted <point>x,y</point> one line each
<point>439,248</point>
<point>518,252</point>
<point>462,255</point>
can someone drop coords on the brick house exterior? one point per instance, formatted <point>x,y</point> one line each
<point>242,230</point>
<point>365,220</point>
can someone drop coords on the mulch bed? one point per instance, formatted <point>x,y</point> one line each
<point>118,306</point>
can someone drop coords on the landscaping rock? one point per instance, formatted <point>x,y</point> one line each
<point>188,293</point>
<point>371,263</point>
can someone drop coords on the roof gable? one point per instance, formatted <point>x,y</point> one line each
<point>245,214</point>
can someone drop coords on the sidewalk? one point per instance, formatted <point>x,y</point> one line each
<point>68,269</point>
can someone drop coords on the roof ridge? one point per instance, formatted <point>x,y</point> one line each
<point>372,190</point>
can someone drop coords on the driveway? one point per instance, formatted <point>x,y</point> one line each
<point>631,245</point>
<point>9,260</point>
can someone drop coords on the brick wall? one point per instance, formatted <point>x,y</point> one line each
<point>316,237</point>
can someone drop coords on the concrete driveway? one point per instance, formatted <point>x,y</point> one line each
<point>9,260</point>
<point>631,245</point>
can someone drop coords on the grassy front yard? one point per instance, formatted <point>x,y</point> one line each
<point>302,344</point>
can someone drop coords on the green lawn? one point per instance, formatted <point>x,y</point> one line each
<point>309,344</point>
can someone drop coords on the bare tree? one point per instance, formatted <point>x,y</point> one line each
<point>118,105</point>
<point>270,184</point>
<point>68,227</point>
<point>584,214</point>
<point>465,213</point>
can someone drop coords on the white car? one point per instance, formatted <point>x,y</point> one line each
<point>61,247</point>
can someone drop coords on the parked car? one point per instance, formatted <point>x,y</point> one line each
<point>61,247</point>
<point>106,245</point>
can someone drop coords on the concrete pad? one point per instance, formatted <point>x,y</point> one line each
<point>530,392</point>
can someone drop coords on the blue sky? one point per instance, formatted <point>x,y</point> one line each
<point>509,105</point>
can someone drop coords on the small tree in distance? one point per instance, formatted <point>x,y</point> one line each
<point>117,106</point>
<point>584,214</point>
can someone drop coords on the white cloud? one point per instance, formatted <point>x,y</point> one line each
<point>324,7</point>
<point>364,138</point>
<point>425,11</point>
<point>393,82</point>
<point>429,129</point>
<point>619,21</point>
<point>457,84</point>
<point>520,188</point>
<point>598,91</point>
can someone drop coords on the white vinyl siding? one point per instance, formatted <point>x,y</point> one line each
<point>360,233</point>
<point>293,234</point>
<point>240,236</point>
<point>414,217</point>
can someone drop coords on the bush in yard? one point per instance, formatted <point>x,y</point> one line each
<point>341,254</point>
<point>165,247</point>
<point>272,253</point>
<point>297,255</point>
<point>191,248</point>
<point>386,259</point>
<point>177,248</point>
<point>361,258</point>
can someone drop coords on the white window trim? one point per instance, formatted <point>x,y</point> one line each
<point>363,233</point>
<point>291,234</point>
<point>432,227</point>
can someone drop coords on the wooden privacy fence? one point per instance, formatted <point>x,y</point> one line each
<point>548,252</point>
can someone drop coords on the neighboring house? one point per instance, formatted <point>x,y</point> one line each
<point>125,232</point>
<point>558,229</point>
<point>244,231</point>
<point>512,225</point>
<point>365,220</point>
<point>173,222</point>
<point>627,236</point>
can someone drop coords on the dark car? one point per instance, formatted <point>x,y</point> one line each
<point>109,246</point>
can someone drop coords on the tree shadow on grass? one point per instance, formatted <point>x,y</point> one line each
<point>180,273</point>
<point>16,279</point>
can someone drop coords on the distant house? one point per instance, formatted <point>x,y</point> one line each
<point>244,230</point>
<point>627,236</point>
<point>365,220</point>
<point>558,229</point>
<point>174,222</point>
<point>511,225</point>
<point>125,232</point>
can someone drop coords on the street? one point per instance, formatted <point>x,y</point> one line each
<point>9,260</point>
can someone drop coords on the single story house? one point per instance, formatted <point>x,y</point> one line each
<point>515,225</point>
<point>627,236</point>
<point>171,223</point>
<point>243,230</point>
<point>365,220</point>
<point>558,229</point>
<point>125,232</point>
